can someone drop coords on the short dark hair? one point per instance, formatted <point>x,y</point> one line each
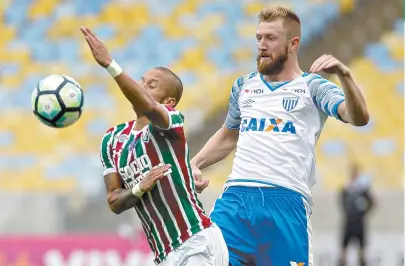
<point>177,86</point>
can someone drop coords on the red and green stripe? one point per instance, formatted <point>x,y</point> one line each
<point>180,186</point>
<point>169,194</point>
<point>170,212</point>
<point>180,150</point>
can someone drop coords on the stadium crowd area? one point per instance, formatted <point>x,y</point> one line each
<point>208,43</point>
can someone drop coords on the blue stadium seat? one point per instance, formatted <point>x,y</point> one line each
<point>65,9</point>
<point>17,162</point>
<point>15,14</point>
<point>382,147</point>
<point>43,51</point>
<point>97,127</point>
<point>63,45</point>
<point>334,148</point>
<point>10,69</point>
<point>96,98</point>
<point>7,138</point>
<point>105,31</point>
<point>93,7</point>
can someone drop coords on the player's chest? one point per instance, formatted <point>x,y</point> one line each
<point>131,157</point>
<point>284,102</point>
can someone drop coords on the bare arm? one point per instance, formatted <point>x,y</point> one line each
<point>223,141</point>
<point>220,145</point>
<point>354,109</point>
<point>142,101</point>
<point>140,98</point>
<point>121,199</point>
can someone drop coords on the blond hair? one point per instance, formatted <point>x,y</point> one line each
<point>291,20</point>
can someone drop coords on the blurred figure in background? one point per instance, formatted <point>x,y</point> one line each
<point>357,201</point>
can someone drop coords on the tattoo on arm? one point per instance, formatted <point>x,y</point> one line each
<point>119,198</point>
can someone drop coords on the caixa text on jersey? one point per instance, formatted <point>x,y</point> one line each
<point>267,125</point>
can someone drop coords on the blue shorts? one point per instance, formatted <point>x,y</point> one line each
<point>264,226</point>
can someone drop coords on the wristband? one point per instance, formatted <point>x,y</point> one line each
<point>136,191</point>
<point>114,69</point>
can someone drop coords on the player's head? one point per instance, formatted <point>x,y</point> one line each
<point>163,85</point>
<point>278,37</point>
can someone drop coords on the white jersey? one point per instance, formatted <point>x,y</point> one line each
<point>279,124</point>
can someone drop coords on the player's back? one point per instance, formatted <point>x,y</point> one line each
<point>280,124</point>
<point>171,212</point>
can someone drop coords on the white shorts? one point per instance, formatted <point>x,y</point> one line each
<point>206,248</point>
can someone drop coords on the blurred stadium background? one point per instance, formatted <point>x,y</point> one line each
<point>52,198</point>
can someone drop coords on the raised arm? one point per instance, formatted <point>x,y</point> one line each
<point>354,108</point>
<point>139,97</point>
<point>142,101</point>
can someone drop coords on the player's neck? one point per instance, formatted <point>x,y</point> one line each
<point>291,71</point>
<point>141,122</point>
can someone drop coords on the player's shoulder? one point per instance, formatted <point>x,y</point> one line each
<point>312,77</point>
<point>314,80</point>
<point>173,111</point>
<point>242,80</point>
<point>118,129</point>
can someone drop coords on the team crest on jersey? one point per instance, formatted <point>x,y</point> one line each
<point>289,103</point>
<point>145,135</point>
<point>122,138</point>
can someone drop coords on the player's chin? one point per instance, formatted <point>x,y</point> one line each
<point>263,66</point>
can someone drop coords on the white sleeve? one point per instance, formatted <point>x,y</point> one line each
<point>326,95</point>
<point>233,118</point>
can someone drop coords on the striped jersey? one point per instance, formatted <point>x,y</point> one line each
<point>171,212</point>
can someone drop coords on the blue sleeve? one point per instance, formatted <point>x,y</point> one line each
<point>233,118</point>
<point>326,95</point>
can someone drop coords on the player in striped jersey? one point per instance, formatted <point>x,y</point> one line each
<point>147,167</point>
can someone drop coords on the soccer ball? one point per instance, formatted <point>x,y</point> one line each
<point>57,101</point>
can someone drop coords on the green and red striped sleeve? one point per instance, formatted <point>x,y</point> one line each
<point>176,119</point>
<point>106,153</point>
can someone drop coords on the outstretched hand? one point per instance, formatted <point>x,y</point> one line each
<point>155,174</point>
<point>97,47</point>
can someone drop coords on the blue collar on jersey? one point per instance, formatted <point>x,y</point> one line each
<point>278,84</point>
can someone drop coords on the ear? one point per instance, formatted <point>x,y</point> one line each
<point>170,101</point>
<point>293,44</point>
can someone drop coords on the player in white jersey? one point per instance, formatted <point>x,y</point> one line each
<point>274,120</point>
